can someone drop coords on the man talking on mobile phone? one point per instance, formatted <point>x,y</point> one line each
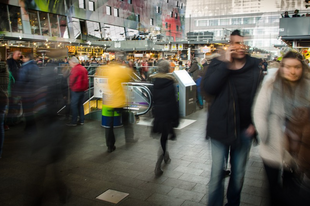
<point>231,81</point>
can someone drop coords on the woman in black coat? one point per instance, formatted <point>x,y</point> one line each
<point>165,110</point>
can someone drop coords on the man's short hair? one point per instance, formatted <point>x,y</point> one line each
<point>74,60</point>
<point>236,32</point>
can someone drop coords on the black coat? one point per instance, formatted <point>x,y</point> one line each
<point>223,116</point>
<point>14,67</point>
<point>165,105</point>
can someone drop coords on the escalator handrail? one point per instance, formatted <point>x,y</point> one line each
<point>138,84</point>
<point>147,90</point>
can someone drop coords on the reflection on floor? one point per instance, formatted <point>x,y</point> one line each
<point>149,121</point>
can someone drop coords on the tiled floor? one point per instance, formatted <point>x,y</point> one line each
<point>89,170</point>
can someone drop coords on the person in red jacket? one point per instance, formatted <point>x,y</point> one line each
<point>78,82</point>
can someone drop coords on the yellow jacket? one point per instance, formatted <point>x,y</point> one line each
<point>114,95</point>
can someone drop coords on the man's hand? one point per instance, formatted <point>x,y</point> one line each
<point>250,130</point>
<point>229,51</point>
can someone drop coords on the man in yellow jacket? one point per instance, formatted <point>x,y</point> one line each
<point>114,98</point>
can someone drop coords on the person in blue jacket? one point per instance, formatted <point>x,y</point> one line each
<point>27,85</point>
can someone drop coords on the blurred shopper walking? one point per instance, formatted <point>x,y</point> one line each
<point>165,110</point>
<point>47,149</point>
<point>232,80</point>
<point>284,102</point>
<point>14,111</point>
<point>114,98</point>
<point>78,82</point>
<point>28,85</point>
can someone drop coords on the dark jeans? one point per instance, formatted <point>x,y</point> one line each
<point>77,106</point>
<point>109,132</point>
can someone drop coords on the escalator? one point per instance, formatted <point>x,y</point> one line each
<point>139,99</point>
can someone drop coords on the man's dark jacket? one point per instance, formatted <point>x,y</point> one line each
<point>14,67</point>
<point>223,115</point>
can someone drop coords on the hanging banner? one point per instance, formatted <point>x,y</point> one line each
<point>205,49</point>
<point>180,46</point>
<point>173,47</point>
<point>98,50</point>
<point>166,47</point>
<point>71,49</point>
<point>138,55</point>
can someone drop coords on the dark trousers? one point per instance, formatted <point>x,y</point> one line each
<point>109,132</point>
<point>164,138</point>
<point>275,190</point>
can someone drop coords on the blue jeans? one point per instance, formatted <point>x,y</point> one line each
<point>2,111</point>
<point>238,158</point>
<point>77,106</point>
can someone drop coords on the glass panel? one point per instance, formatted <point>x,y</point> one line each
<point>224,22</point>
<point>34,23</point>
<point>203,23</point>
<point>247,31</point>
<point>15,19</point>
<point>115,12</point>
<point>4,23</point>
<point>76,28</point>
<point>63,27</point>
<point>93,29</point>
<point>115,32</point>
<point>82,4</point>
<point>91,5</point>
<point>248,20</point>
<point>45,26</point>
<point>108,10</point>
<point>236,21</point>
<point>54,25</point>
<point>213,22</point>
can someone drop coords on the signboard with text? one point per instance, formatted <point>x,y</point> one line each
<point>173,47</point>
<point>84,50</point>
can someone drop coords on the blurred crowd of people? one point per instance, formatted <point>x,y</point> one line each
<point>248,101</point>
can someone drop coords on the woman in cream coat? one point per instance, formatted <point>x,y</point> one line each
<point>279,95</point>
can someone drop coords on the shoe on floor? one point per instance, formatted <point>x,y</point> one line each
<point>80,123</point>
<point>111,149</point>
